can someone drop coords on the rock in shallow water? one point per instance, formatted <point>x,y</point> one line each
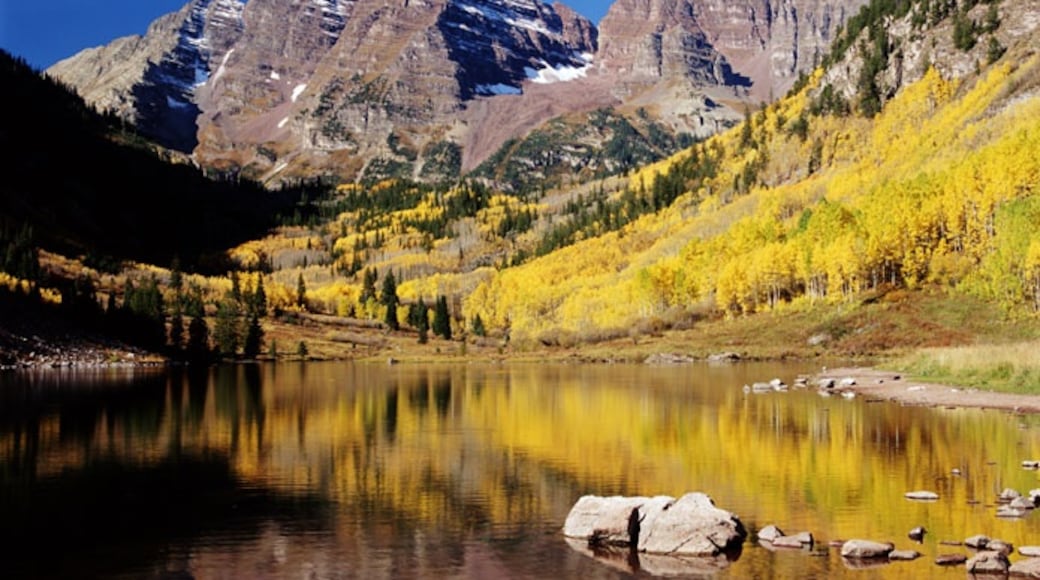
<point>988,562</point>
<point>866,549</point>
<point>922,495</point>
<point>689,526</point>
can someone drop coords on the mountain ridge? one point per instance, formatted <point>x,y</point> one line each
<point>364,87</point>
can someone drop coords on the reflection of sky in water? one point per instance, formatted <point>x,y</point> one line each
<point>469,470</point>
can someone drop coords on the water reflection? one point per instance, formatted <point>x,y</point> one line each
<point>469,470</point>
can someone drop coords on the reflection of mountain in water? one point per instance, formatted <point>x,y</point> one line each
<point>409,464</point>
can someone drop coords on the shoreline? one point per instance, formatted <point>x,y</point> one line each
<point>881,385</point>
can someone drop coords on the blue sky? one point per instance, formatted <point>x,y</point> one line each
<point>46,31</point>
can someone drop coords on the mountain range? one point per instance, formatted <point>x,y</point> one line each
<point>280,90</point>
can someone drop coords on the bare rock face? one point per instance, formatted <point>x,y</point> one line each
<point>689,526</point>
<point>255,87</point>
<point>283,89</point>
<point>757,46</point>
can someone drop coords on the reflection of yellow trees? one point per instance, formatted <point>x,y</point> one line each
<point>462,446</point>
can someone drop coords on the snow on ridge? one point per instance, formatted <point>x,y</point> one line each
<point>497,89</point>
<point>549,74</point>
<point>297,91</point>
<point>283,122</point>
<point>275,76</point>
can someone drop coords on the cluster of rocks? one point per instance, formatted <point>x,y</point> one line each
<point>828,386</point>
<point>691,534</point>
<point>775,385</point>
<point>37,353</point>
<point>1012,504</point>
<point>991,557</point>
<point>670,358</point>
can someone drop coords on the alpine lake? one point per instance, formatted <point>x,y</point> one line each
<point>351,470</point>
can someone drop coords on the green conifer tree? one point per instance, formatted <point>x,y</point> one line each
<point>442,318</point>
<point>388,298</point>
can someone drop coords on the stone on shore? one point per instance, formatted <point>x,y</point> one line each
<point>689,526</point>
<point>866,549</point>
<point>922,495</point>
<point>723,357</point>
<point>1029,551</point>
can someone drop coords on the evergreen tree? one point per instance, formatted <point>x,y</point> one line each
<point>368,285</point>
<point>301,292</point>
<point>198,339</point>
<point>389,299</point>
<point>477,326</point>
<point>236,286</point>
<point>442,318</point>
<point>176,330</point>
<point>421,320</point>
<point>258,306</point>
<point>254,338</point>
<point>301,350</point>
<point>226,332</point>
<point>176,277</point>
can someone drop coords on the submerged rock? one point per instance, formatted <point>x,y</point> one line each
<point>866,549</point>
<point>689,526</point>
<point>904,555</point>
<point>950,559</point>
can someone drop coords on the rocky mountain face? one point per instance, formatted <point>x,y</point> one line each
<point>758,47</point>
<point>281,89</point>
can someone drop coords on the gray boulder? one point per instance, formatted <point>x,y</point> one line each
<point>1028,568</point>
<point>689,526</point>
<point>988,562</point>
<point>1022,503</point>
<point>692,526</point>
<point>866,549</point>
<point>770,533</point>
<point>905,555</point>
<point>1001,546</point>
<point>605,520</point>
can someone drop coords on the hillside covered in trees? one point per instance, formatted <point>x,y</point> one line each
<point>860,191</point>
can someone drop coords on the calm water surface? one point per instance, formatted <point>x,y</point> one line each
<point>369,471</point>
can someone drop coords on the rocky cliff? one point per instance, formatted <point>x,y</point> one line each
<point>282,89</point>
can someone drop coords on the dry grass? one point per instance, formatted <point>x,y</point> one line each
<point>1011,368</point>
